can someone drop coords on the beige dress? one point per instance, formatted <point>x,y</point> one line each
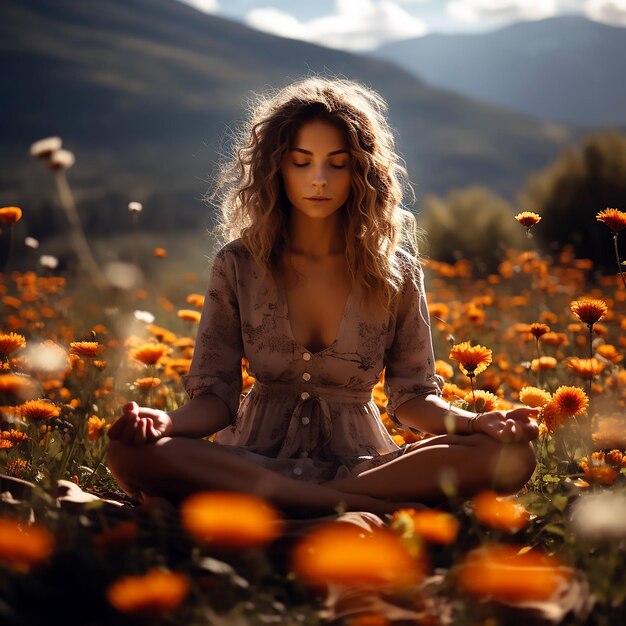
<point>309,415</point>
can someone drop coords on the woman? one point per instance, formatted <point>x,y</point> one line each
<point>320,289</point>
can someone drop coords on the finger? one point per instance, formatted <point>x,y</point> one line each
<point>152,432</point>
<point>140,432</point>
<point>128,433</point>
<point>145,411</point>
<point>131,407</point>
<point>117,427</point>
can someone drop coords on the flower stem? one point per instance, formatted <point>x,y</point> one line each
<point>619,262</point>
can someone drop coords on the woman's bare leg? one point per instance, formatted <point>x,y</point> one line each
<point>176,467</point>
<point>468,462</point>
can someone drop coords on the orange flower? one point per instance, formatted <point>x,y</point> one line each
<point>23,546</point>
<point>10,214</point>
<point>528,219</point>
<point>147,383</point>
<point>609,352</point>
<point>16,386</point>
<point>543,363</point>
<point>162,334</point>
<point>433,526</point>
<point>151,595</point>
<point>555,339</point>
<point>195,299</point>
<point>10,342</point>
<point>585,368</point>
<point>500,513</point>
<point>507,574</point>
<point>11,302</point>
<point>149,353</point>
<point>481,401</point>
<point>472,359</point>
<point>159,253</point>
<point>39,410</point>
<point>570,401</point>
<point>86,349</point>
<point>534,397</point>
<point>613,218</point>
<point>120,535</point>
<point>189,315</point>
<point>95,426</point>
<point>16,467</point>
<point>537,329</point>
<point>443,369</point>
<point>611,432</point>
<point>589,310</point>
<point>598,471</point>
<point>230,520</point>
<point>345,554</point>
<point>15,436</point>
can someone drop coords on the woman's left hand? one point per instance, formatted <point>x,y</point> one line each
<point>513,426</point>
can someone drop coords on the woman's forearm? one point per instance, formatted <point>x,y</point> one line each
<point>431,414</point>
<point>199,417</point>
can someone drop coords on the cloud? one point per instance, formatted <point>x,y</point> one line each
<point>473,11</point>
<point>611,12</point>
<point>355,25</point>
<point>206,6</point>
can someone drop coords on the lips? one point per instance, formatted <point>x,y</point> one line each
<point>318,199</point>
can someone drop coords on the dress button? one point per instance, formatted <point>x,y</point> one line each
<point>306,376</point>
<point>306,356</point>
<point>304,454</point>
<point>297,471</point>
<point>305,395</point>
<point>305,420</point>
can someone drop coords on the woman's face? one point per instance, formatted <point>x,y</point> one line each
<point>316,170</point>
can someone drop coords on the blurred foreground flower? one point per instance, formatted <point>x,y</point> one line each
<point>507,573</point>
<point>23,546</point>
<point>230,520</point>
<point>345,554</point>
<point>431,525</point>
<point>501,513</point>
<point>152,595</point>
<point>44,148</point>
<point>599,516</point>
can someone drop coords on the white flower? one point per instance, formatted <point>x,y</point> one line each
<point>122,275</point>
<point>62,160</point>
<point>135,207</point>
<point>45,147</point>
<point>49,261</point>
<point>144,316</point>
<point>31,242</point>
<point>599,516</point>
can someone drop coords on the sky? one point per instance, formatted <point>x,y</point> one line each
<point>361,25</point>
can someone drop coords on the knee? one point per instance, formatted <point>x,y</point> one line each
<point>512,466</point>
<point>133,461</point>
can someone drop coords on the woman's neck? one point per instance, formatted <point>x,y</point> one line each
<point>315,238</point>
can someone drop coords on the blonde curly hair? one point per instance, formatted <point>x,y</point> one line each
<point>252,200</point>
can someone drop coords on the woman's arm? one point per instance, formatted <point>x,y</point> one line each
<point>199,417</point>
<point>431,414</point>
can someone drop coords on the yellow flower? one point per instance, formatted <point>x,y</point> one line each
<point>16,386</point>
<point>195,299</point>
<point>159,253</point>
<point>534,397</point>
<point>589,310</point>
<point>10,214</point>
<point>543,363</point>
<point>537,330</point>
<point>528,219</point>
<point>189,315</point>
<point>472,359</point>
<point>151,595</point>
<point>613,218</point>
<point>10,342</point>
<point>585,368</point>
<point>481,401</point>
<point>443,369</point>
<point>147,383</point>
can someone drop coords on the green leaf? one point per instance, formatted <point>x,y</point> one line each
<point>548,478</point>
<point>554,529</point>
<point>559,501</point>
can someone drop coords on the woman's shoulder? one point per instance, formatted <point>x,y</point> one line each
<point>408,263</point>
<point>235,250</point>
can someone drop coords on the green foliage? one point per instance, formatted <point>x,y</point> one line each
<point>472,223</point>
<point>570,192</point>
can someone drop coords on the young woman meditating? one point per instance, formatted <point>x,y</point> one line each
<point>320,288</point>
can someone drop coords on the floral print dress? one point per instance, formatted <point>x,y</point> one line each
<point>309,415</point>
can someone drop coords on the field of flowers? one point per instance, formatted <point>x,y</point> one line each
<point>546,331</point>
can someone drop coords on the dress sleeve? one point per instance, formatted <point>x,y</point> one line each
<point>410,363</point>
<point>216,364</point>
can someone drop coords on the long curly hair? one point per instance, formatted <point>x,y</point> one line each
<point>250,194</point>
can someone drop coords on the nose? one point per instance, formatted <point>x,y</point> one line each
<point>319,178</point>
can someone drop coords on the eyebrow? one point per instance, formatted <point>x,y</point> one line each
<point>333,153</point>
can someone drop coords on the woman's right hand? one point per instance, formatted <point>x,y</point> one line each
<point>140,424</point>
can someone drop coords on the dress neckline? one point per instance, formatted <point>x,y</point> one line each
<point>287,318</point>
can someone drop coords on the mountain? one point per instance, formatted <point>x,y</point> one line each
<point>568,69</point>
<point>146,93</point>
